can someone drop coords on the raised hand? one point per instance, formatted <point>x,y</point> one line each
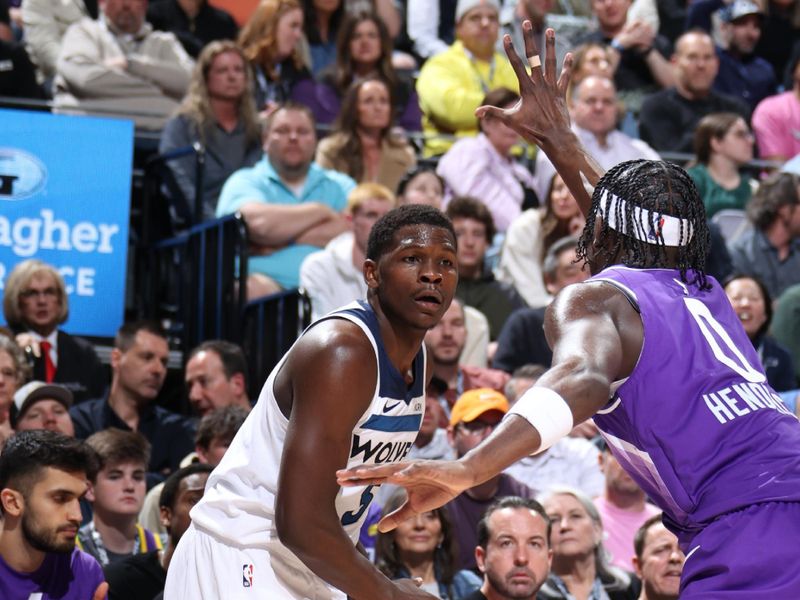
<point>429,485</point>
<point>540,116</point>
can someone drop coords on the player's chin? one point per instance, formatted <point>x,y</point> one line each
<point>428,320</point>
<point>428,313</point>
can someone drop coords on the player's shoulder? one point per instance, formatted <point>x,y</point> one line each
<point>335,338</point>
<point>587,296</point>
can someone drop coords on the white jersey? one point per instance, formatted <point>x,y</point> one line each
<point>238,507</point>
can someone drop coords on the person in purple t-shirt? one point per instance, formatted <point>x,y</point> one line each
<point>43,475</point>
<point>649,347</point>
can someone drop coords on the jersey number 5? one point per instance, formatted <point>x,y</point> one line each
<point>731,357</point>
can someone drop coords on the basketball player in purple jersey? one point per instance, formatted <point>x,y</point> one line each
<point>651,348</point>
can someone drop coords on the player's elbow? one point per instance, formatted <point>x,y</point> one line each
<point>585,380</point>
<point>289,525</point>
<point>285,525</point>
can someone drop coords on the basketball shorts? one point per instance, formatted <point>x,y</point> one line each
<point>746,554</point>
<point>205,568</point>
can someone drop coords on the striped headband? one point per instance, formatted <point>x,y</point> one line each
<point>647,226</point>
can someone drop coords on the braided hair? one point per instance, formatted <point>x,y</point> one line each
<point>659,187</point>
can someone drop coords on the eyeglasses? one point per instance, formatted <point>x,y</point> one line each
<point>47,293</point>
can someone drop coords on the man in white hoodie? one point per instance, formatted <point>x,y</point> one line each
<point>333,277</point>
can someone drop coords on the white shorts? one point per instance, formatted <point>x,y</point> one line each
<point>205,568</point>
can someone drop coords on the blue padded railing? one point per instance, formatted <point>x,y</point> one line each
<point>270,325</point>
<point>196,281</point>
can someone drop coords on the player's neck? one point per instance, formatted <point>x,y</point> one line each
<point>402,344</point>
<point>118,532</point>
<point>14,549</point>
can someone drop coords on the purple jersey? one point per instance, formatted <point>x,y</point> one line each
<point>68,576</point>
<point>696,423</point>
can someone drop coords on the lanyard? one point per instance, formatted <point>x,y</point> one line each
<point>102,553</point>
<point>268,89</point>
<point>485,86</point>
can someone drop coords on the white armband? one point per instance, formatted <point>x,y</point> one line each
<point>547,411</point>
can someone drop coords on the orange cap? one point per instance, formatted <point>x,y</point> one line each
<point>473,403</point>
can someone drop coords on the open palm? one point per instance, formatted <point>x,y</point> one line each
<point>541,114</point>
<point>429,485</point>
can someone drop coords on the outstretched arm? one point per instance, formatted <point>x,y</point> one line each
<point>541,116</point>
<point>596,339</point>
<point>589,353</point>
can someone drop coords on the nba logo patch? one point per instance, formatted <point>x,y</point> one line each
<point>247,576</point>
<point>655,233</point>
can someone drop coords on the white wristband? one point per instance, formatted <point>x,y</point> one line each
<point>547,411</point>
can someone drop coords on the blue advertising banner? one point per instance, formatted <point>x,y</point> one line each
<point>65,186</point>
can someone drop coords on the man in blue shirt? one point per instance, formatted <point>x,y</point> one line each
<point>741,73</point>
<point>292,206</point>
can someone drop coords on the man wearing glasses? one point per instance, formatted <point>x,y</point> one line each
<point>473,417</point>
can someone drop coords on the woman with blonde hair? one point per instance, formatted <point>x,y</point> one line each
<point>218,113</point>
<point>362,144</point>
<point>272,42</point>
<point>35,305</point>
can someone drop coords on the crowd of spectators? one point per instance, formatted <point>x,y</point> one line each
<point>316,117</point>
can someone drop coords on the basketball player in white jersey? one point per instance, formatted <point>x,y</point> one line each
<point>273,522</point>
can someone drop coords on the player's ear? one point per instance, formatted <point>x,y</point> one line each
<point>371,274</point>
